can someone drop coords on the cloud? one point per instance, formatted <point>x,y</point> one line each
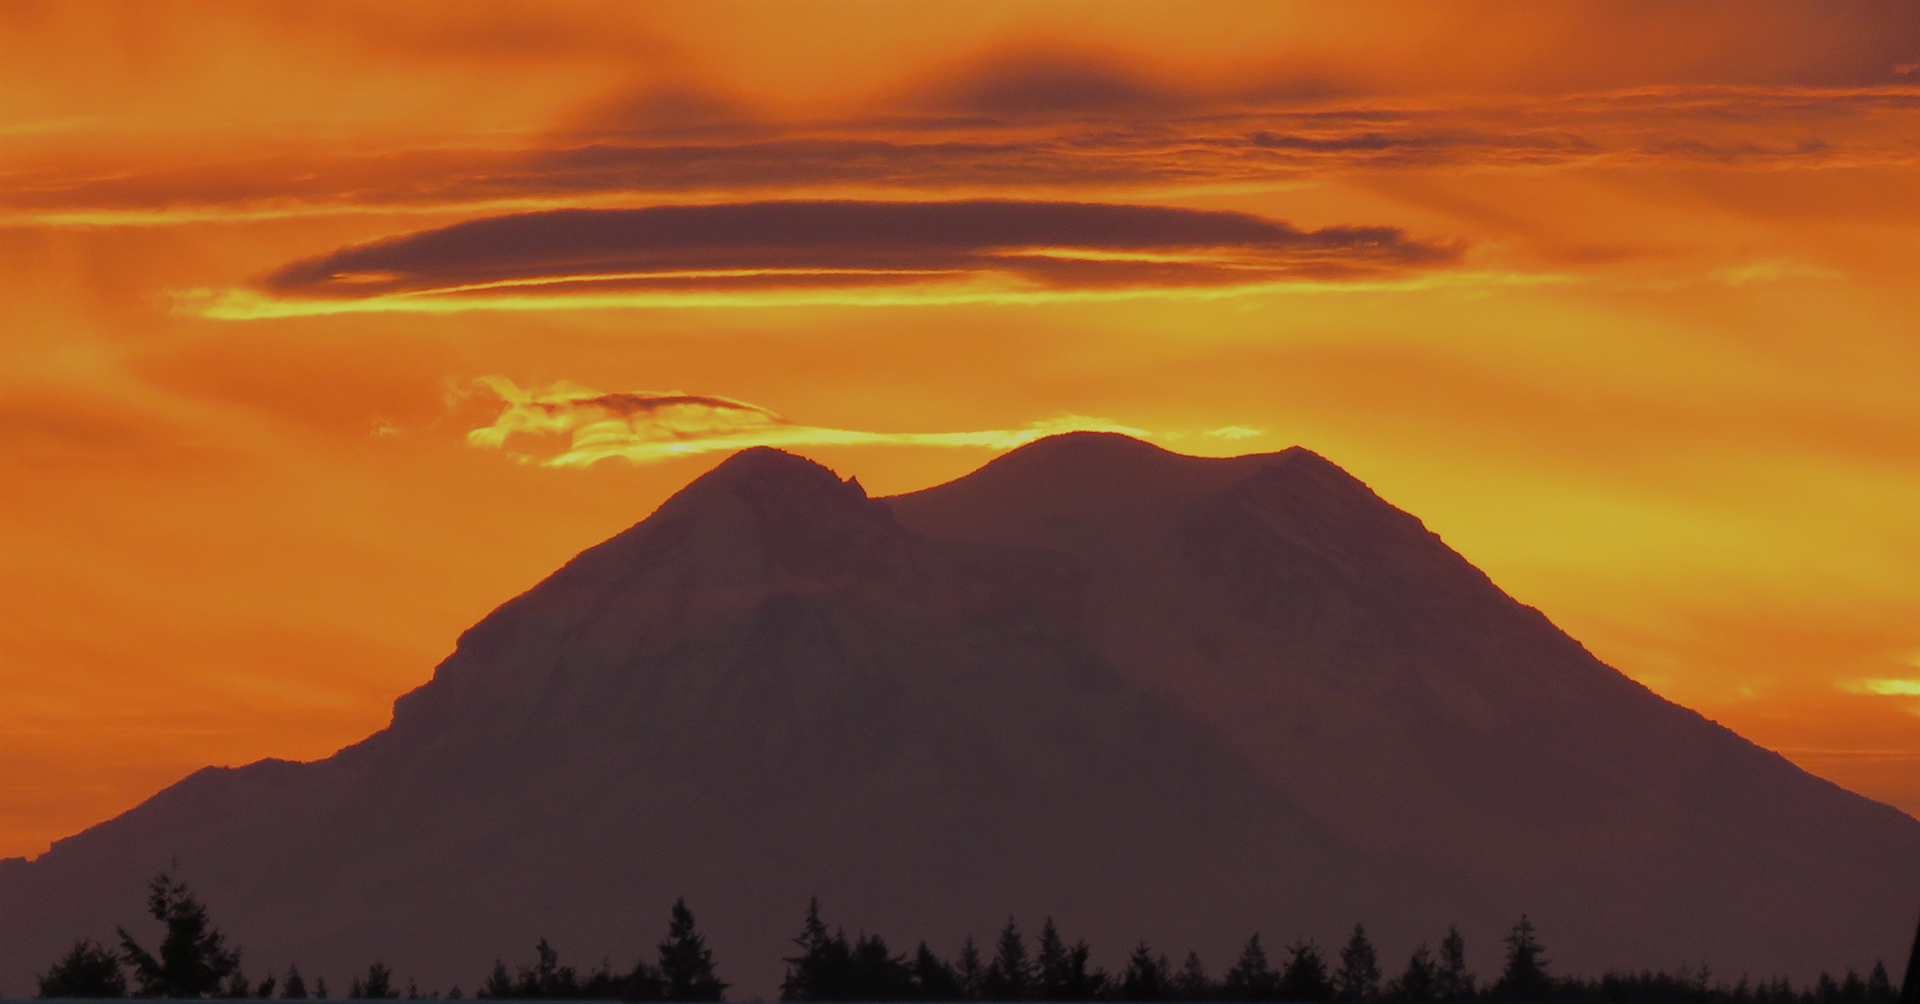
<point>569,425</point>
<point>1883,688</point>
<point>754,247</point>
<point>1030,130</point>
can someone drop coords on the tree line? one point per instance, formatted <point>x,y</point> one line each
<point>194,960</point>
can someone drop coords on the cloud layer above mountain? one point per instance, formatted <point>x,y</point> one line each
<point>984,245</point>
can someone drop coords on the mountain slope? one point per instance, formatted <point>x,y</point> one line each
<point>1151,695</point>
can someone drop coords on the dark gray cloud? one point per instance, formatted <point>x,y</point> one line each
<point>843,243</point>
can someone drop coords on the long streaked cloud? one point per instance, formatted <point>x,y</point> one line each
<point>662,254</point>
<point>1112,140</point>
<point>570,425</point>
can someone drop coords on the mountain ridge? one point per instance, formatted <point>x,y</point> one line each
<point>1009,692</point>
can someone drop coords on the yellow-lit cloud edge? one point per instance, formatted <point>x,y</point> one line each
<point>644,427</point>
<point>249,305</point>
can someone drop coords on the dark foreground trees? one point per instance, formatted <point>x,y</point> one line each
<point>685,972</point>
<point>193,959</point>
<point>90,970</point>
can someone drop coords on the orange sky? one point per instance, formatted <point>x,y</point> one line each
<point>1617,297</point>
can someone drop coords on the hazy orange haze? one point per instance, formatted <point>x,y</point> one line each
<point>325,327</point>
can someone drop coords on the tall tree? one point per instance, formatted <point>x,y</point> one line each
<point>378,983</point>
<point>1358,978</point>
<point>933,979</point>
<point>295,989</point>
<point>194,957</point>
<point>1420,982</point>
<point>1452,982</point>
<point>499,983</point>
<point>1191,983</point>
<point>824,970</point>
<point>1252,978</point>
<point>1010,976</point>
<point>1525,977</point>
<point>878,974</point>
<point>969,971</point>
<point>1051,965</point>
<point>89,970</point>
<point>1910,987</point>
<point>1880,985</point>
<point>685,961</point>
<point>1148,976</point>
<point>1305,978</point>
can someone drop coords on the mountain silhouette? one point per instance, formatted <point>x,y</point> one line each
<point>1146,694</point>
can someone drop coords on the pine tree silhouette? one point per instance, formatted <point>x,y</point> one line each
<point>1252,978</point>
<point>1305,978</point>
<point>1148,977</point>
<point>89,970</point>
<point>1191,983</point>
<point>969,971</point>
<point>1420,982</point>
<point>264,989</point>
<point>1910,987</point>
<point>295,988</point>
<point>1010,975</point>
<point>1051,965</point>
<point>933,979</point>
<point>685,961</point>
<point>878,974</point>
<point>1525,978</point>
<point>194,959</point>
<point>1452,982</point>
<point>1880,986</point>
<point>1358,978</point>
<point>378,983</point>
<point>499,984</point>
<point>824,970</point>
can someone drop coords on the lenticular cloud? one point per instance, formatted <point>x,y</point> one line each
<point>839,246</point>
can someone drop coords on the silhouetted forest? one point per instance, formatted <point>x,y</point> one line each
<point>193,959</point>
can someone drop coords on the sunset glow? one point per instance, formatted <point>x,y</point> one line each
<point>325,328</point>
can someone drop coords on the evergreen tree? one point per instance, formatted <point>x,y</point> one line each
<point>1879,986</point>
<point>1452,982</point>
<point>238,987</point>
<point>1148,976</point>
<point>378,983</point>
<point>1358,978</point>
<point>878,974</point>
<point>320,989</point>
<point>264,990</point>
<point>1305,978</point>
<point>498,984</point>
<point>1192,983</point>
<point>296,988</point>
<point>686,963</point>
<point>1525,978</point>
<point>89,970</point>
<point>1051,974</point>
<point>1010,976</point>
<point>823,971</point>
<point>969,971</point>
<point>194,959</point>
<point>1910,987</point>
<point>1251,978</point>
<point>1420,983</point>
<point>933,979</point>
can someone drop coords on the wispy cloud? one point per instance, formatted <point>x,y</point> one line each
<point>1883,688</point>
<point>570,425</point>
<point>1042,129</point>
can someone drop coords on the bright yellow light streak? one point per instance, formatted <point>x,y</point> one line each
<point>246,305</point>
